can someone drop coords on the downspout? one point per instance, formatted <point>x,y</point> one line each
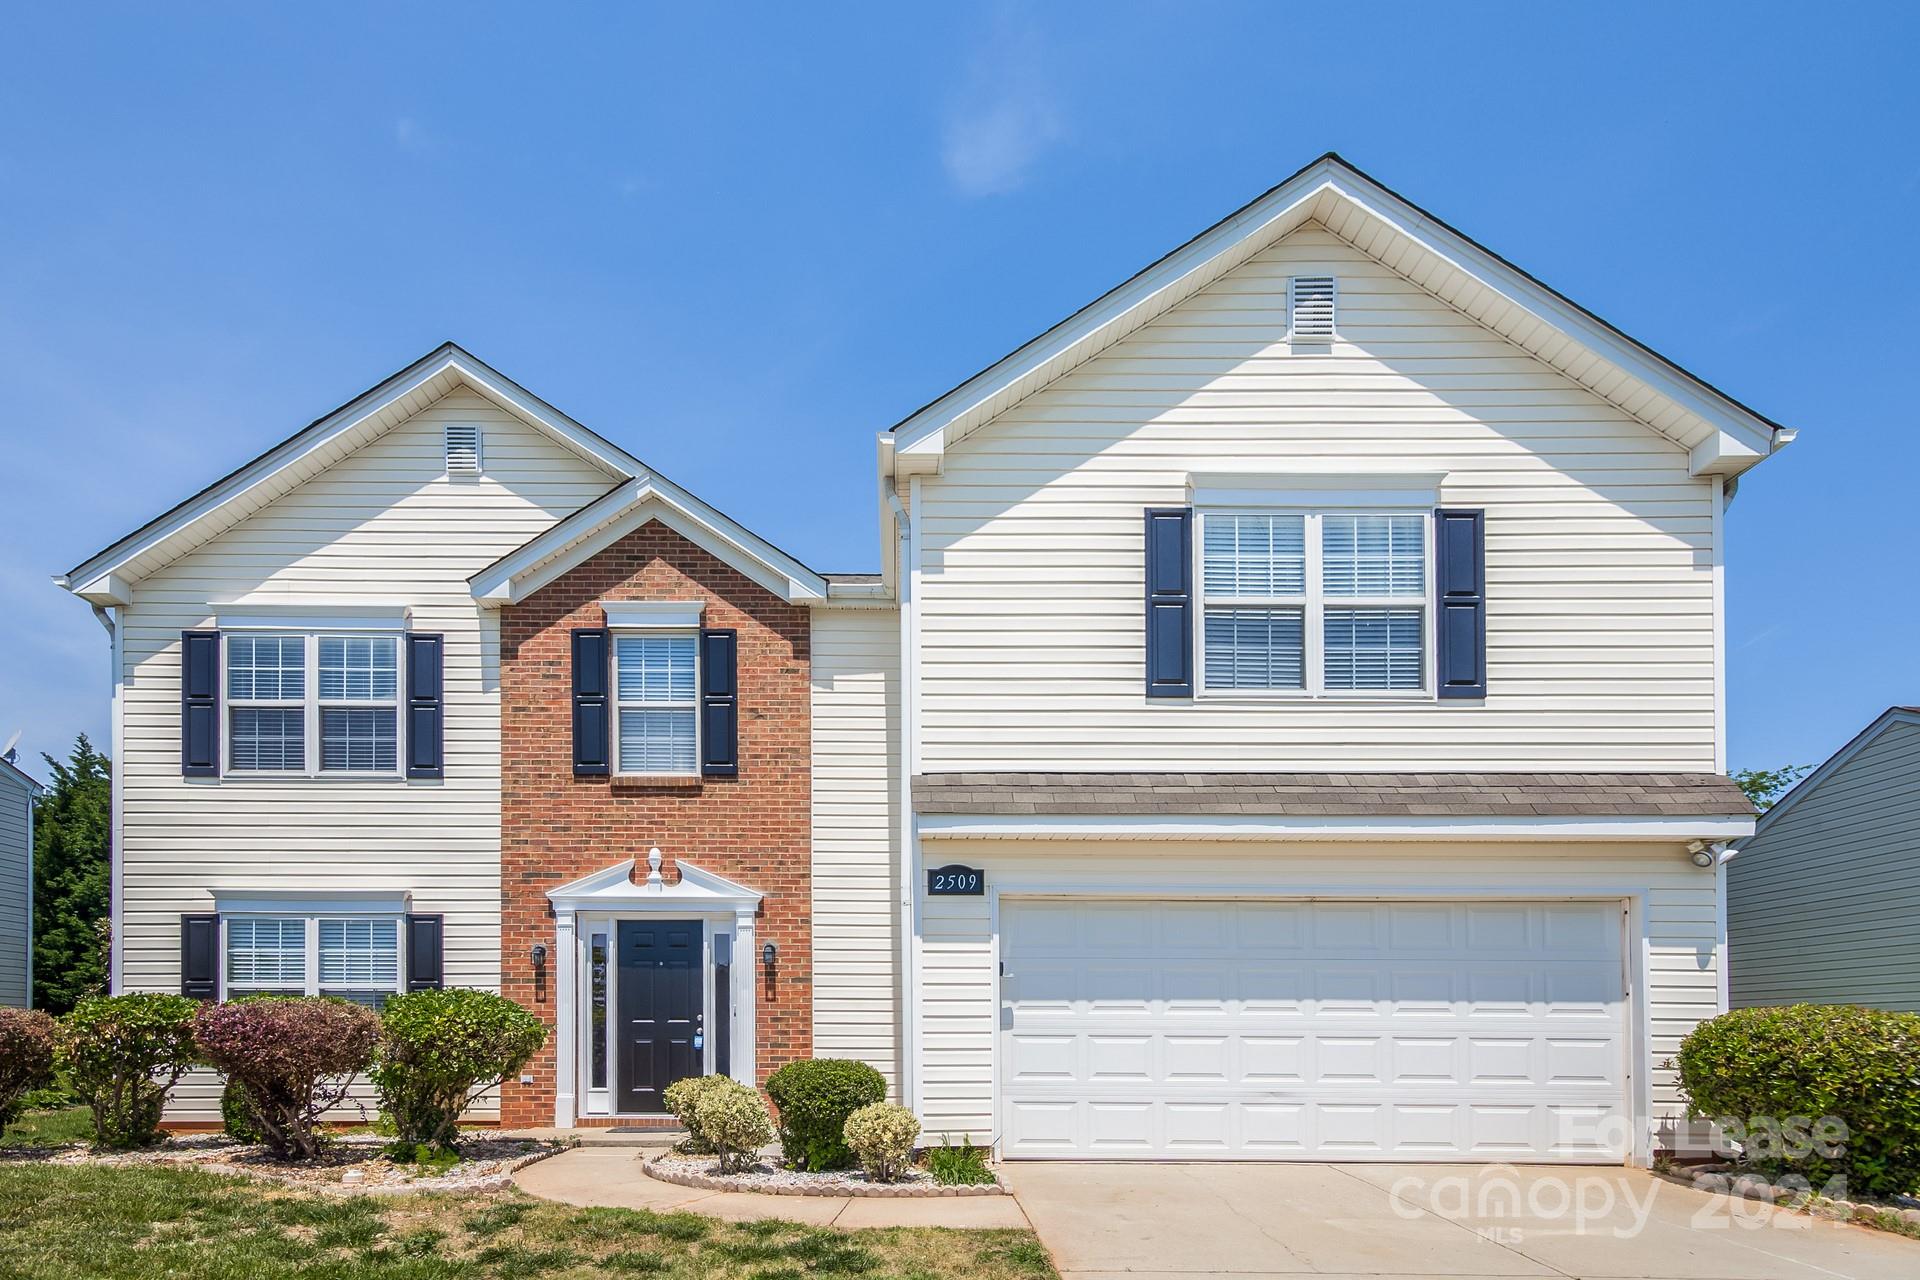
<point>115,769</point>
<point>908,1065</point>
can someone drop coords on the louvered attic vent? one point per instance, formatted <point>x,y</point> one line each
<point>463,449</point>
<point>1310,305</point>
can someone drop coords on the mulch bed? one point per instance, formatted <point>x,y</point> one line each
<point>768,1179</point>
<point>349,1164</point>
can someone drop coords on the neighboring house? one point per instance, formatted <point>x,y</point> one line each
<point>1823,900</point>
<point>18,793</point>
<point>1289,722</point>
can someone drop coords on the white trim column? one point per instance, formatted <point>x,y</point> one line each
<point>746,972</point>
<point>568,963</point>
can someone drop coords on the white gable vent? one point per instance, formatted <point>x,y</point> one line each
<point>1310,306</point>
<point>463,448</point>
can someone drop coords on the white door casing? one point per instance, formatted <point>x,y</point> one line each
<point>1495,1029</point>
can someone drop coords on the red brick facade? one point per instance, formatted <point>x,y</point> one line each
<point>754,829</point>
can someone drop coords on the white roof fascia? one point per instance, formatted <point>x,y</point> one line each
<point>605,521</point>
<point>1886,720</point>
<point>106,578</point>
<point>1259,827</point>
<point>1732,437</point>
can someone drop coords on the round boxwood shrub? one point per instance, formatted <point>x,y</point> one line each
<point>683,1100</point>
<point>295,1058</point>
<point>236,1113</point>
<point>439,1048</point>
<point>26,1058</point>
<point>734,1121</point>
<point>815,1098</point>
<point>124,1054</point>
<point>1770,1077</point>
<point>882,1136</point>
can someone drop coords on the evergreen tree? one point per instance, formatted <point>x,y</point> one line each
<point>72,828</point>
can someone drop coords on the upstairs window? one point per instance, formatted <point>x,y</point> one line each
<point>286,691</point>
<point>656,713</point>
<point>1313,603</point>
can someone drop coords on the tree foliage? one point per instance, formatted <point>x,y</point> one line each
<point>1764,786</point>
<point>72,827</point>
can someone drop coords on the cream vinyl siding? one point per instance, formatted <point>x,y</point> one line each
<point>959,950</point>
<point>384,524</point>
<point>16,891</point>
<point>1600,617</point>
<point>1823,905</point>
<point>856,744</point>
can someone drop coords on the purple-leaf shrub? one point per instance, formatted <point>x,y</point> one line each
<point>26,1058</point>
<point>294,1057</point>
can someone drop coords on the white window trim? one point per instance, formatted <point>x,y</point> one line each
<point>312,703</point>
<point>311,954</point>
<point>653,617</point>
<point>1313,605</point>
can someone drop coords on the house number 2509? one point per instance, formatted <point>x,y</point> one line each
<point>956,880</point>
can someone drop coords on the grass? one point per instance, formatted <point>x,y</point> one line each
<point>141,1222</point>
<point>48,1129</point>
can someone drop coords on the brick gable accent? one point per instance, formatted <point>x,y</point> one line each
<point>754,829</point>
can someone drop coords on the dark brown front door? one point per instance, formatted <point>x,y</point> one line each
<point>660,1010</point>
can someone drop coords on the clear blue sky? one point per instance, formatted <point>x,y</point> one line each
<point>740,241</point>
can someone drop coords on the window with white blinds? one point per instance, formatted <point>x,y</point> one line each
<point>1314,603</point>
<point>656,696</point>
<point>287,690</point>
<point>354,957</point>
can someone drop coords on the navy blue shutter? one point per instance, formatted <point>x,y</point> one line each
<point>426,717</point>
<point>426,946</point>
<point>200,957</point>
<point>1460,568</point>
<point>1169,602</point>
<point>719,703</point>
<point>592,722</point>
<point>200,704</point>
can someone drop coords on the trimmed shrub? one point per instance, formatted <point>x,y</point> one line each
<point>439,1048</point>
<point>961,1166</point>
<point>26,1059</point>
<point>735,1123</point>
<point>294,1057</point>
<point>881,1136</point>
<point>236,1113</point>
<point>1772,1077</point>
<point>683,1100</point>
<point>124,1054</point>
<point>815,1098</point>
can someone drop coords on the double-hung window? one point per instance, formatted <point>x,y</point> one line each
<point>657,701</point>
<point>354,957</point>
<point>312,703</point>
<point>1314,603</point>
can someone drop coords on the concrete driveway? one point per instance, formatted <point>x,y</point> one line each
<point>1104,1221</point>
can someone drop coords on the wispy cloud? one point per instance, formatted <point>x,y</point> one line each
<point>409,135</point>
<point>1006,115</point>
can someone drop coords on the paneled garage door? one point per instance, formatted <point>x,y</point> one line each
<point>1313,1030</point>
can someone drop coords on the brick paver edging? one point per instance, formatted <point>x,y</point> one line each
<point>831,1190</point>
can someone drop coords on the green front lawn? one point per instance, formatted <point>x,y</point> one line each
<point>48,1129</point>
<point>142,1223</point>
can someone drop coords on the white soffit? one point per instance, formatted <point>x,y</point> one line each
<point>621,511</point>
<point>1723,436</point>
<point>109,576</point>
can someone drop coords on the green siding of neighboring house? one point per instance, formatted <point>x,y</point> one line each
<point>16,890</point>
<point>1823,901</point>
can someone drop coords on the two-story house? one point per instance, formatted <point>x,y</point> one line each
<point>1289,722</point>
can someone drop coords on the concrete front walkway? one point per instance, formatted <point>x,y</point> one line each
<point>610,1175</point>
<point>1248,1221</point>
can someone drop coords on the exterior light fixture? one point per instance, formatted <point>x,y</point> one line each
<point>539,955</point>
<point>768,954</point>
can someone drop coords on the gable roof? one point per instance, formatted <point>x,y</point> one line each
<point>618,512</point>
<point>15,774</point>
<point>1860,741</point>
<point>106,576</point>
<point>1723,436</point>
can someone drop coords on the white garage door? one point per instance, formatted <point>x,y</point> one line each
<point>1313,1030</point>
